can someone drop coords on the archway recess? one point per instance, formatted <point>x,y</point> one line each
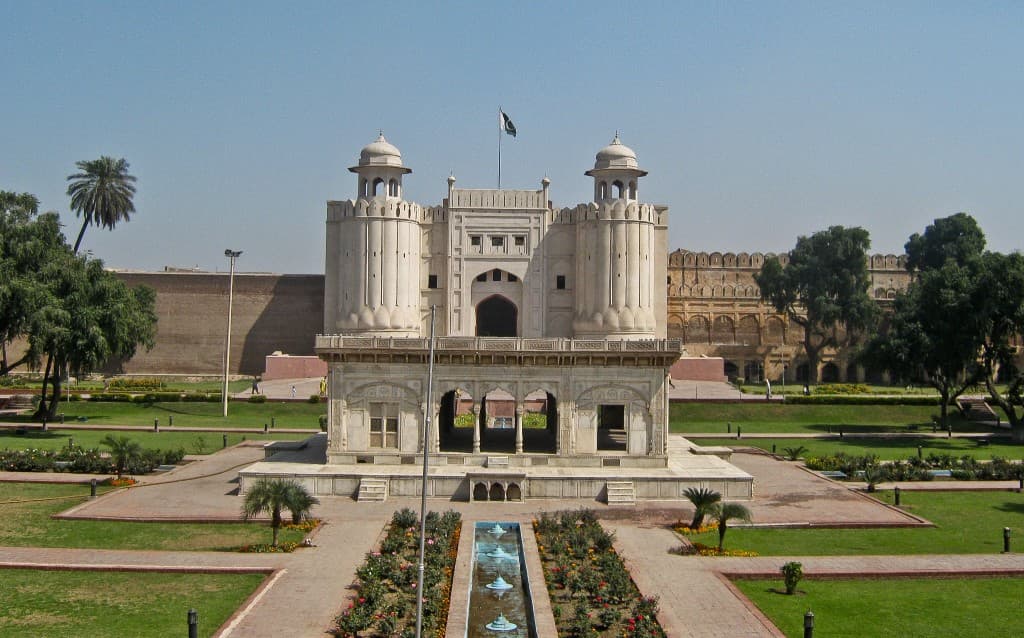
<point>496,316</point>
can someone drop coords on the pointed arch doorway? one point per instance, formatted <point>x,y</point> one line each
<point>496,316</point>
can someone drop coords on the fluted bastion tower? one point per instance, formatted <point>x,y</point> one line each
<point>615,252</point>
<point>372,278</point>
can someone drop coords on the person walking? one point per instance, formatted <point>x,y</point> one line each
<point>293,392</point>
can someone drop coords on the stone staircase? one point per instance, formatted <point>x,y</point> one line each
<point>372,490</point>
<point>975,409</point>
<point>21,402</point>
<point>621,493</point>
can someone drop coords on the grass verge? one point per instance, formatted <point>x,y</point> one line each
<point>193,442</point>
<point>757,417</point>
<point>885,449</point>
<point>920,607</point>
<point>193,414</point>
<point>115,604</point>
<point>965,523</point>
<point>30,525</point>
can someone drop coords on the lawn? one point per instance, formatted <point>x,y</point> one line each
<point>919,607</point>
<point>30,525</point>
<point>241,414</point>
<point>885,449</point>
<point>966,523</point>
<point>115,604</point>
<point>757,417</point>
<point>211,441</point>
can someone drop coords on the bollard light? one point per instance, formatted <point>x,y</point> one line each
<point>61,415</point>
<point>773,448</point>
<point>949,431</point>
<point>193,623</point>
<point>739,431</point>
<point>225,440</point>
<point>919,452</point>
<point>92,488</point>
<point>264,427</point>
<point>170,420</point>
<point>896,495</point>
<point>728,428</point>
<point>272,421</point>
<point>71,441</point>
<point>156,425</point>
<point>1006,540</point>
<point>809,625</point>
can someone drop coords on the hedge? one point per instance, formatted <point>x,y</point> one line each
<point>860,400</point>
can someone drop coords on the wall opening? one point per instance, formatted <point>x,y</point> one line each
<point>611,428</point>
<point>496,316</point>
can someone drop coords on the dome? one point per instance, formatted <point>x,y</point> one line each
<point>616,156</point>
<point>380,152</point>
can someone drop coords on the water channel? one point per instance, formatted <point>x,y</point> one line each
<point>499,591</point>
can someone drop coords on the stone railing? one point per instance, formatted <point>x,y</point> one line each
<point>498,344</point>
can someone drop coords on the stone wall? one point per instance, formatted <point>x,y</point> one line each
<point>271,313</point>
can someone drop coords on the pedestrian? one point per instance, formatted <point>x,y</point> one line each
<point>255,386</point>
<point>293,392</point>
<point>768,384</point>
<point>323,387</point>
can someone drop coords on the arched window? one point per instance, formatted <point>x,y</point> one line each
<point>363,190</point>
<point>619,189</point>
<point>376,186</point>
<point>393,188</point>
<point>602,190</point>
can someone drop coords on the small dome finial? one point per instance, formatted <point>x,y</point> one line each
<point>616,139</point>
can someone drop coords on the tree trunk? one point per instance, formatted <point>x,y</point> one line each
<point>55,400</point>
<point>81,233</point>
<point>944,406</point>
<point>41,410</point>
<point>723,527</point>
<point>275,522</point>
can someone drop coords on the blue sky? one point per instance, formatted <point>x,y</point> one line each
<point>758,121</point>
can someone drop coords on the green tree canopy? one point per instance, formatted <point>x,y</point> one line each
<point>934,332</point>
<point>824,285</point>
<point>999,306</point>
<point>102,193</point>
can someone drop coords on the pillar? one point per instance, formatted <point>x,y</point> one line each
<point>519,428</point>
<point>476,429</point>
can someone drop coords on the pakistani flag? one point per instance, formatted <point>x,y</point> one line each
<point>506,124</point>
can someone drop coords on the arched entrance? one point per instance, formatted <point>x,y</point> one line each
<point>496,316</point>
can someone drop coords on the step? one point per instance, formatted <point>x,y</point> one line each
<point>620,493</point>
<point>372,490</point>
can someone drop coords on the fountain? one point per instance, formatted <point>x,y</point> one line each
<point>501,624</point>
<point>499,591</point>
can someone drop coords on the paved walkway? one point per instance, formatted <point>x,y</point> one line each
<point>309,587</point>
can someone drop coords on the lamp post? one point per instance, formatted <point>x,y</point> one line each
<point>231,255</point>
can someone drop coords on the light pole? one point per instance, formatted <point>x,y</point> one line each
<point>232,255</point>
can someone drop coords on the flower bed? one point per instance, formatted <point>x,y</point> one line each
<point>912,468</point>
<point>83,460</point>
<point>286,547</point>
<point>387,580</point>
<point>592,593</point>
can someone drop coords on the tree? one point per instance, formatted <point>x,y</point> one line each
<point>824,285</point>
<point>273,496</point>
<point>703,500</point>
<point>28,241</point>
<point>723,513</point>
<point>956,238</point>
<point>87,316</point>
<point>123,450</point>
<point>999,303</point>
<point>102,193</point>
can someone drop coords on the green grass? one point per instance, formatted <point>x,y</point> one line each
<point>798,388</point>
<point>211,441</point>
<point>757,417</point>
<point>115,604</point>
<point>30,525</point>
<point>241,414</point>
<point>966,523</point>
<point>885,449</point>
<point>919,607</point>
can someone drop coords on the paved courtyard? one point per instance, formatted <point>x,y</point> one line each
<point>306,589</point>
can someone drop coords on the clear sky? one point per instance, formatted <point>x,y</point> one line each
<point>758,121</point>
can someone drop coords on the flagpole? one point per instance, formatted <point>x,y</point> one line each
<point>423,484</point>
<point>501,127</point>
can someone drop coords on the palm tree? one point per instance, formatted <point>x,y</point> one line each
<point>723,513</point>
<point>703,499</point>
<point>102,193</point>
<point>273,496</point>
<point>122,450</point>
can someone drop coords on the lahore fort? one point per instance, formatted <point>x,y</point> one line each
<point>710,300</point>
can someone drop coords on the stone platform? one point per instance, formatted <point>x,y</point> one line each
<point>462,482</point>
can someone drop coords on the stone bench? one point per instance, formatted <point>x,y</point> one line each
<point>721,451</point>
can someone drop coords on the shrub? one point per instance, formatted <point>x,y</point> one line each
<point>135,383</point>
<point>818,399</point>
<point>314,398</point>
<point>257,398</point>
<point>792,572</point>
<point>794,453</point>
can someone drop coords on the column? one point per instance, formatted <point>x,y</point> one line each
<point>519,428</point>
<point>476,429</point>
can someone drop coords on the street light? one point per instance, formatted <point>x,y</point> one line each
<point>232,255</point>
